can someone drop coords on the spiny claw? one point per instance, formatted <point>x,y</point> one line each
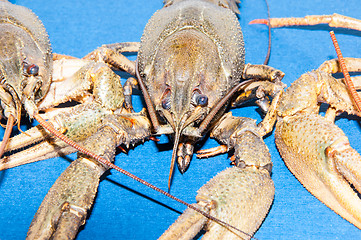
<point>67,201</point>
<point>319,154</point>
<point>241,195</point>
<point>238,196</point>
<point>187,224</point>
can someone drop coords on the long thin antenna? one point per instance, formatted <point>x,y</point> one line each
<point>148,101</point>
<point>269,36</point>
<point>174,156</point>
<point>9,127</point>
<point>202,128</point>
<point>348,80</point>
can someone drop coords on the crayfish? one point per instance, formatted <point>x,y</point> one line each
<point>155,165</point>
<point>190,71</point>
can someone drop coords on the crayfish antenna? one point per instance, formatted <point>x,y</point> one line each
<point>174,153</point>
<point>9,127</point>
<point>348,81</point>
<point>266,22</point>
<point>269,36</point>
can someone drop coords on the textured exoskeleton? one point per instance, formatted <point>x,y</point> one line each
<point>99,123</point>
<point>186,94</point>
<point>186,86</point>
<point>25,63</point>
<point>238,195</point>
<point>190,67</point>
<point>26,59</point>
<point>315,150</point>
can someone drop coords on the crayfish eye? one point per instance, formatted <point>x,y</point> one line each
<point>166,103</point>
<point>198,98</point>
<point>166,98</point>
<point>202,100</point>
<point>31,69</point>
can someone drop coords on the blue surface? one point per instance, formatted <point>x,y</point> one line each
<point>125,209</point>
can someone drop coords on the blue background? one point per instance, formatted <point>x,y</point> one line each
<point>124,209</point>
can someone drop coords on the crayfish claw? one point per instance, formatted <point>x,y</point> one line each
<point>239,196</point>
<point>187,225</point>
<point>319,154</point>
<point>73,193</point>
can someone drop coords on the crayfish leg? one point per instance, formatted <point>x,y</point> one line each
<point>333,65</point>
<point>334,20</point>
<point>353,65</point>
<point>112,55</point>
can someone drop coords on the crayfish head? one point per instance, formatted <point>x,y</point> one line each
<point>24,74</point>
<point>184,78</point>
<point>182,106</point>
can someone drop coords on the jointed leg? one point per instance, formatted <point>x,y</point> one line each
<point>112,55</point>
<point>334,20</point>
